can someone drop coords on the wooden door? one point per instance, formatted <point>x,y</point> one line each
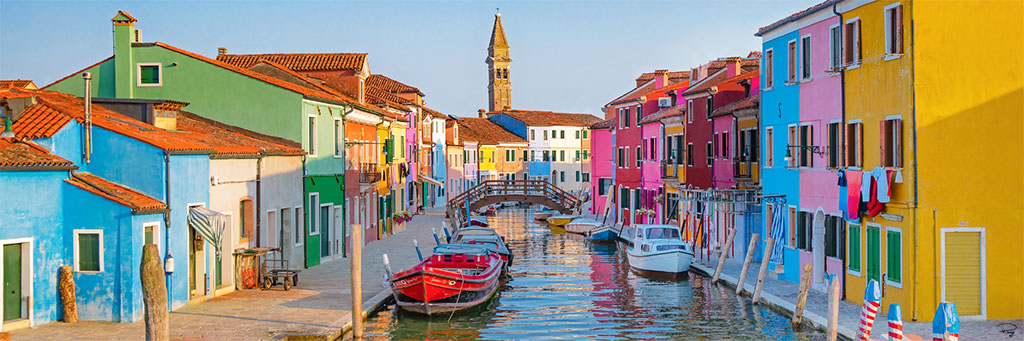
<point>12,282</point>
<point>874,253</point>
<point>962,271</point>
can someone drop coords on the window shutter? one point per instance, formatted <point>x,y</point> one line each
<point>810,139</point>
<point>792,227</point>
<point>857,50</point>
<point>247,212</point>
<point>848,43</point>
<point>897,142</point>
<point>898,20</point>
<point>883,139</point>
<point>858,145</point>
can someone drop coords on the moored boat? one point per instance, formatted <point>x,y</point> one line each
<point>478,221</point>
<point>486,237</point>
<point>659,250</point>
<point>581,225</point>
<point>543,214</point>
<point>561,219</point>
<point>455,277</point>
<point>602,234</point>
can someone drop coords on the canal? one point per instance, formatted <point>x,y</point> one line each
<point>564,287</point>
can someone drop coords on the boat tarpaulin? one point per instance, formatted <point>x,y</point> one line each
<point>208,223</point>
<point>431,181</point>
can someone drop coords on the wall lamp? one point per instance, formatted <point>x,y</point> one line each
<point>812,149</point>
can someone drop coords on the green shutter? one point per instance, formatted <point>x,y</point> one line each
<point>854,260</point>
<point>88,252</point>
<point>893,266</point>
<point>873,251</point>
<point>389,143</point>
<point>149,235</point>
<point>150,74</point>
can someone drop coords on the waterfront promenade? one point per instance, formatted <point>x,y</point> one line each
<point>317,309</point>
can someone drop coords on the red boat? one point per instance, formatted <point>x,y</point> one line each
<point>478,221</point>
<point>456,277</point>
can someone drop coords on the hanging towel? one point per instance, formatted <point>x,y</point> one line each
<point>853,181</point>
<point>874,206</point>
<point>898,177</point>
<point>778,233</point>
<point>881,182</point>
<point>865,186</point>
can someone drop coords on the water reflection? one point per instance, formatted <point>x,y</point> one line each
<point>565,287</point>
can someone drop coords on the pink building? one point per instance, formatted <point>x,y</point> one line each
<point>602,166</point>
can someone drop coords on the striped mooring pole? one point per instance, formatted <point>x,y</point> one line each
<point>872,299</point>
<point>946,322</point>
<point>895,322</point>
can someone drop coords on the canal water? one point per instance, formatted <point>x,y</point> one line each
<point>564,287</point>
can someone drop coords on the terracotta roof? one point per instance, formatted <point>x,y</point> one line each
<point>114,192</point>
<point>301,61</point>
<point>796,16</point>
<point>646,76</point>
<point>609,123</point>
<point>228,139</point>
<point>486,131</point>
<point>498,33</point>
<point>125,14</point>
<point>79,72</point>
<point>14,154</point>
<point>634,94</point>
<point>314,84</point>
<point>390,85</point>
<point>539,118</point>
<point>663,113</point>
<point>380,97</point>
<point>746,103</point>
<point>706,83</point>
<point>17,83</point>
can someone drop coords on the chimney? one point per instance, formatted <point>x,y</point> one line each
<point>480,112</point>
<point>124,64</point>
<point>165,116</point>
<point>222,51</point>
<point>733,66</point>
<point>660,78</point>
<point>87,95</point>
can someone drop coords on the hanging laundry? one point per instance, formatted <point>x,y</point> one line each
<point>881,180</point>
<point>853,181</point>
<point>898,178</point>
<point>842,178</point>
<point>777,233</point>
<point>874,206</point>
<point>865,185</point>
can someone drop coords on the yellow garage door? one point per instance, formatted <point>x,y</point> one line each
<point>963,271</point>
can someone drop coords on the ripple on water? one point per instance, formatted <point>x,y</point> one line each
<point>564,287</point>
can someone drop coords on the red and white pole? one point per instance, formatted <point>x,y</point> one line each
<point>895,322</point>
<point>872,299</point>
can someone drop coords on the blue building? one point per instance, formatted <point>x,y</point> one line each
<point>439,170</point>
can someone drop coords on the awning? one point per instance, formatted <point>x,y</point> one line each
<point>431,181</point>
<point>208,223</point>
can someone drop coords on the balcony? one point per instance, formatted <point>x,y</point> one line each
<point>369,173</point>
<point>743,168</point>
<point>670,170</point>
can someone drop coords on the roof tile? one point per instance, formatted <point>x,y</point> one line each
<point>17,83</point>
<point>300,61</point>
<point>117,193</point>
<point>539,118</point>
<point>486,131</point>
<point>14,154</point>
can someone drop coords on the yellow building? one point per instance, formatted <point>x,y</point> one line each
<point>925,95</point>
<point>485,161</point>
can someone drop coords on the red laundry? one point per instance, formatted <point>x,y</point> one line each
<point>853,179</point>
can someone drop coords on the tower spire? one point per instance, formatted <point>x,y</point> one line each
<point>499,88</point>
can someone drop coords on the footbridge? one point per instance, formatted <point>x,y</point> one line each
<point>495,191</point>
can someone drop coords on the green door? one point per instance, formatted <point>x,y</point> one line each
<point>12,282</point>
<point>873,253</point>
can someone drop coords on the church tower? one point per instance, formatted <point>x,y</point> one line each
<point>499,89</point>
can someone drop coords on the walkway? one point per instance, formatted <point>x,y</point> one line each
<point>783,295</point>
<point>318,308</point>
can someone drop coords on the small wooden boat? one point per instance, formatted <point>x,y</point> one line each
<point>561,219</point>
<point>489,210</point>
<point>581,225</point>
<point>659,250</point>
<point>486,237</point>
<point>602,234</point>
<point>455,277</point>
<point>543,214</point>
<point>478,221</point>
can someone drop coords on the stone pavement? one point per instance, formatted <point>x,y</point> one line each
<point>782,295</point>
<point>318,308</point>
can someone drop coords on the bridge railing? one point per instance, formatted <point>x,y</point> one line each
<point>538,191</point>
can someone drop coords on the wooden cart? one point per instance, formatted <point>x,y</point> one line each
<point>275,271</point>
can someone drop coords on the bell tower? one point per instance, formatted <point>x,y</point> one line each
<point>499,88</point>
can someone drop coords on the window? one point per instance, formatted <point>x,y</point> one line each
<point>561,176</point>
<point>151,233</point>
<point>311,136</point>
<point>586,154</point>
<point>689,111</point>
<point>578,154</point>
<point>725,145</point>
<point>654,149</point>
<point>89,250</point>
<point>833,145</point>
<point>893,256</point>
<point>545,134</point>
<point>806,139</point>
<point>768,66</point>
<point>624,198</point>
<point>708,151</point>
<point>805,57</point>
<point>561,155</point>
<point>893,30</point>
<point>149,74</point>
<point>854,140</point>
<point>853,259</point>
<point>851,42</point>
<point>803,231</point>
<point>618,158</point>
<point>769,221</point>
<point>790,142</point>
<point>577,176</point>
<point>836,48</point>
<point>546,156</point>
<point>639,114</point>
<point>524,155</point>
<point>339,138</point>
<point>561,134</point>
<point>791,75</point>
<point>636,198</point>
<point>689,154</point>
<point>680,150</point>
<point>533,155</point>
<point>586,177</point>
<point>625,119</point>
<point>714,146</point>
<point>833,237</point>
<point>577,134</point>
<point>314,205</point>
<point>639,155</point>
<point>603,184</point>
<point>533,134</point>
<point>298,225</point>
<point>245,218</point>
<point>792,226</point>
<point>585,134</point>
<point>891,142</point>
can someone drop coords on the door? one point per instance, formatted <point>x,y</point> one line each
<point>12,282</point>
<point>325,230</point>
<point>339,231</point>
<point>273,238</point>
<point>962,271</point>
<point>874,253</point>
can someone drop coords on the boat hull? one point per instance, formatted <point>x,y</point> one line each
<point>559,221</point>
<point>464,300</point>
<point>668,262</point>
<point>602,234</point>
<point>579,228</point>
<point>542,215</point>
<point>456,277</point>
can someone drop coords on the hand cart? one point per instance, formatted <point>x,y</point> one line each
<point>275,271</point>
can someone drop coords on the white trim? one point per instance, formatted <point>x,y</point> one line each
<point>903,268</point>
<point>768,69</point>
<point>894,117</point>
<point>299,239</point>
<point>853,121</point>
<point>984,276</point>
<point>831,43</point>
<point>159,74</point>
<point>313,215</point>
<point>887,20</point>
<point>27,261</point>
<point>860,248</point>
<point>769,154</point>
<point>76,233</point>
<point>835,121</point>
<point>312,133</point>
<point>339,138</point>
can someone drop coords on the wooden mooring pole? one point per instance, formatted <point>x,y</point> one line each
<point>764,269</point>
<point>833,308</point>
<point>801,298</point>
<point>746,263</point>
<point>724,254</point>
<point>154,294</point>
<point>357,280</point>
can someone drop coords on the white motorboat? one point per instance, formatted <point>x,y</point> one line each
<point>581,225</point>
<point>659,249</point>
<point>543,214</point>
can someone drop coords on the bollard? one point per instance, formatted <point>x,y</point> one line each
<point>67,294</point>
<point>946,324</point>
<point>872,296</point>
<point>436,240</point>
<point>895,322</point>
<point>764,269</point>
<point>833,307</point>
<point>801,299</point>
<point>357,282</point>
<point>723,255</point>
<point>154,294</point>
<point>416,244</point>
<point>447,236</point>
<point>746,263</point>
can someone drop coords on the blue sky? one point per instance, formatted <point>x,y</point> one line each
<point>568,56</point>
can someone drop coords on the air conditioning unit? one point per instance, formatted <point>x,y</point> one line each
<point>664,102</point>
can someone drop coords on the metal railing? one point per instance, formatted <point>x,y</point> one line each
<point>743,167</point>
<point>369,173</point>
<point>535,191</point>
<point>669,169</point>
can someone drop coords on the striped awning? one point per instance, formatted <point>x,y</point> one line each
<point>208,223</point>
<point>431,181</point>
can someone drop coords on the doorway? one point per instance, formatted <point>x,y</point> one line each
<point>874,252</point>
<point>963,270</point>
<point>13,276</point>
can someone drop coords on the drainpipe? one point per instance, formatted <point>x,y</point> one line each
<point>305,201</point>
<point>87,96</point>
<point>913,132</point>
<point>167,225</point>
<point>842,93</point>
<point>259,164</point>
